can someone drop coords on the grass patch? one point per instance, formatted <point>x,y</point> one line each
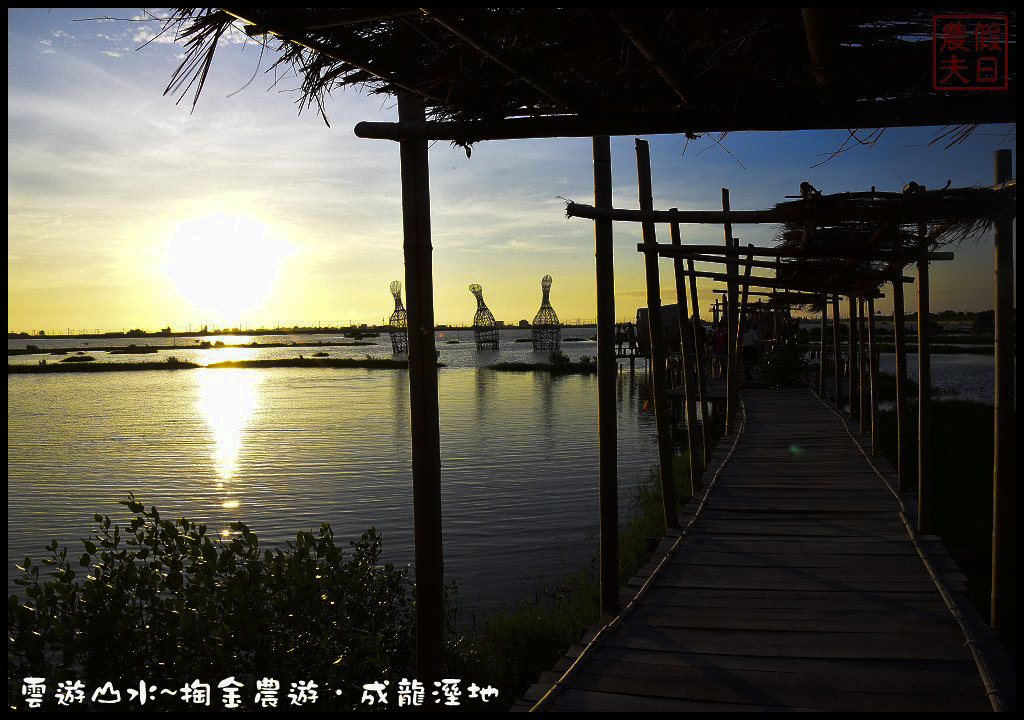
<point>961,456</point>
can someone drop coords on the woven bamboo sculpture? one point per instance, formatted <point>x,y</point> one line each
<point>547,331</point>
<point>485,329</point>
<point>399,322</point>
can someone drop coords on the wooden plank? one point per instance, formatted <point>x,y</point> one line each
<point>797,588</point>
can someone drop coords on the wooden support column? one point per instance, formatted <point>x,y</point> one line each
<point>426,436</point>
<point>686,347</point>
<point>732,303</point>
<point>873,353</point>
<point>924,392</point>
<point>837,354</point>
<point>657,339</point>
<point>852,355</point>
<point>821,350</point>
<point>607,461</point>
<point>862,371</point>
<point>739,324</point>
<point>1004,477</point>
<point>702,369</point>
<point>902,407</point>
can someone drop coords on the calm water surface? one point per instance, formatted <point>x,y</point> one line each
<point>285,449</point>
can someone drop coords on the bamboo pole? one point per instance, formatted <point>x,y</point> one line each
<point>902,409</point>
<point>657,338</point>
<point>852,355</point>
<point>821,352</point>
<point>925,212</point>
<point>608,496</point>
<point>840,115</point>
<point>686,347</point>
<point>426,437</point>
<point>764,282</point>
<point>702,381</point>
<point>709,252</point>
<point>924,386</point>
<point>1004,491</point>
<point>836,353</point>
<point>742,314</point>
<point>732,376</point>
<point>873,353</point>
<point>862,371</point>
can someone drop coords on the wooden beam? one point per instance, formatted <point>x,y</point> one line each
<point>657,339</point>
<point>788,214</point>
<point>879,254</point>
<point>607,449</point>
<point>732,368</point>
<point>837,354</point>
<point>821,269</point>
<point>705,406</point>
<point>902,409</point>
<point>999,108</point>
<point>426,437</point>
<point>758,281</point>
<point>686,348</point>
<point>873,352</point>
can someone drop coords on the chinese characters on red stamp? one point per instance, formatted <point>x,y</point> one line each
<point>970,52</point>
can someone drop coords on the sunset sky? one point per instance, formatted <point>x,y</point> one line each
<point>128,210</point>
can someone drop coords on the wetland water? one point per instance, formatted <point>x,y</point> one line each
<point>284,449</point>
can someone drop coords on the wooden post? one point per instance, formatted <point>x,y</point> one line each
<point>873,353</point>
<point>852,355</point>
<point>657,337</point>
<point>742,313</point>
<point>924,387</point>
<point>686,347</point>
<point>731,307</point>
<point>836,353</point>
<point>902,409</point>
<point>702,369</point>
<point>426,436</point>
<point>862,371</point>
<point>821,350</point>
<point>1004,471</point>
<point>608,495</point>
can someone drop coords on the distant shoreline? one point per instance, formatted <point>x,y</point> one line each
<point>127,350</point>
<point>86,367</point>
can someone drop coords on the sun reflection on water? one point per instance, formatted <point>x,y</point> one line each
<point>227,401</point>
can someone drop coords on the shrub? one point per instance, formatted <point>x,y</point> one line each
<point>557,357</point>
<point>166,602</point>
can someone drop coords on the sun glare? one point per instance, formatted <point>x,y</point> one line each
<point>224,266</point>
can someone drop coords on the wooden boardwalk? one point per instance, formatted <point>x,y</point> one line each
<point>797,586</point>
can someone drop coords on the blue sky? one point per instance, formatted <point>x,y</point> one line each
<point>127,209</point>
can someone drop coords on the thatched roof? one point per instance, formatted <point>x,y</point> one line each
<point>879,248</point>
<point>643,70</point>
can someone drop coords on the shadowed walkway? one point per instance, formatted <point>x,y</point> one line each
<point>796,586</point>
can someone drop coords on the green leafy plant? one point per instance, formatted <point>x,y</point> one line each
<point>167,602</point>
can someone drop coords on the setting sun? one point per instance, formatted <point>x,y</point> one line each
<point>225,266</point>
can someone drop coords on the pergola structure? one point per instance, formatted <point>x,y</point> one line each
<point>499,73</point>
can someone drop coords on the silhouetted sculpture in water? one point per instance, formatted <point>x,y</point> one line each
<point>547,331</point>
<point>485,329</point>
<point>399,322</point>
